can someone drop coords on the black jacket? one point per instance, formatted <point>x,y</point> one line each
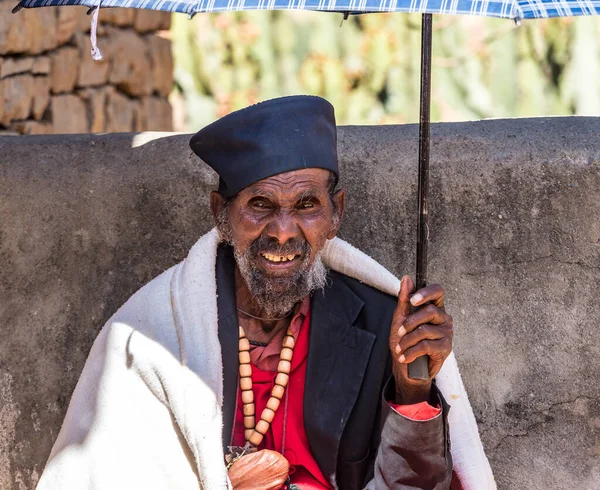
<point>357,441</point>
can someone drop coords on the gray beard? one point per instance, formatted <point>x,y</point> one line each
<point>275,296</point>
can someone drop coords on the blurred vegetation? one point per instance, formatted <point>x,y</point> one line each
<point>368,65</point>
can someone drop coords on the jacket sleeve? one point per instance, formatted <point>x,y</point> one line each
<point>412,454</point>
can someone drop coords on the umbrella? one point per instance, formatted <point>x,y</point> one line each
<point>515,10</point>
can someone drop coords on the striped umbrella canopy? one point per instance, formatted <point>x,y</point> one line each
<point>508,9</point>
<point>515,10</point>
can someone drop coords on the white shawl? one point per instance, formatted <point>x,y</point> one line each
<point>146,412</point>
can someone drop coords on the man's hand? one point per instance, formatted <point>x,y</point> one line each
<point>262,470</point>
<point>420,326</point>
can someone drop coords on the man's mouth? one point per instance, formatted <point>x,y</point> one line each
<point>279,258</point>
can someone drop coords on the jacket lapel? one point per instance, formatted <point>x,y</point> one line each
<point>337,359</point>
<point>228,337</point>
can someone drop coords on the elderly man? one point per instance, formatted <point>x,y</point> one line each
<point>263,361</point>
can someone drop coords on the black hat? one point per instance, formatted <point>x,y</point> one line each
<point>269,138</point>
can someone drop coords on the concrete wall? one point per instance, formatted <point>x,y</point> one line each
<point>515,238</point>
<point>49,82</point>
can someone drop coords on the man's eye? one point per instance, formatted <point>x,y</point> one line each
<point>306,205</point>
<point>259,203</point>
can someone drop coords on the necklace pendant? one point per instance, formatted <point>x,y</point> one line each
<point>236,452</point>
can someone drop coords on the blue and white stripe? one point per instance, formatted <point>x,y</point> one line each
<point>509,9</point>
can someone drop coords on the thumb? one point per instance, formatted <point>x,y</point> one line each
<point>407,286</point>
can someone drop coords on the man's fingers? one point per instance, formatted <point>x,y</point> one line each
<point>420,327</point>
<point>433,293</point>
<point>436,349</point>
<point>424,332</point>
<point>426,314</point>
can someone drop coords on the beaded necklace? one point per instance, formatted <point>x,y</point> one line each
<point>255,432</point>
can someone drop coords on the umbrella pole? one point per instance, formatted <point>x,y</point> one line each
<point>419,368</point>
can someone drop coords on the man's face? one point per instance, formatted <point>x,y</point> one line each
<point>278,227</point>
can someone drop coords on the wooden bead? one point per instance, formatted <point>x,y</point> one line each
<point>246,384</point>
<point>262,427</point>
<point>254,432</point>
<point>282,379</point>
<point>244,357</point>
<point>247,397</point>
<point>255,439</point>
<point>276,392</point>
<point>286,354</point>
<point>266,415</point>
<point>284,367</point>
<point>273,404</point>
<point>288,341</point>
<point>245,370</point>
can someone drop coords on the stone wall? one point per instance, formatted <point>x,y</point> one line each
<point>49,82</point>
<point>515,239</point>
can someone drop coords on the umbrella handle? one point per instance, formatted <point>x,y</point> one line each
<point>419,368</point>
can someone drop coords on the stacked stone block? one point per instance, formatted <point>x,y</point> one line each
<point>49,82</point>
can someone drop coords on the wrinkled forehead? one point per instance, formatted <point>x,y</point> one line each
<point>313,180</point>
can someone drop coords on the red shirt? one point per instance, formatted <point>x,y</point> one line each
<point>286,434</point>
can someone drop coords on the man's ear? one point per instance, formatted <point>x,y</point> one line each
<point>339,205</point>
<point>217,203</point>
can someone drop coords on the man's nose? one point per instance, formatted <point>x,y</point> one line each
<point>283,228</point>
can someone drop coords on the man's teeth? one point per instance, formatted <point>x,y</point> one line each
<point>278,258</point>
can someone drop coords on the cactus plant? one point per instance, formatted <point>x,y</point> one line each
<point>368,66</point>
